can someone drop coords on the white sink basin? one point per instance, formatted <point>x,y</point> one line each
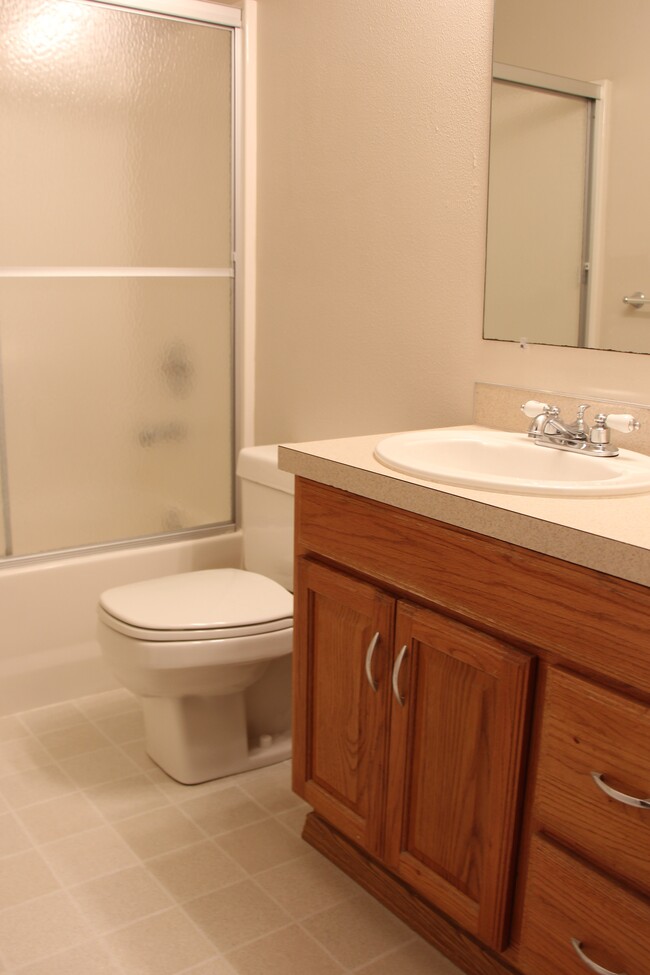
<point>511,463</point>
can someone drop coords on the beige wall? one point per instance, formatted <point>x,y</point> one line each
<point>372,181</point>
<point>373,184</point>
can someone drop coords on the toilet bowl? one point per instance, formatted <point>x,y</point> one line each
<point>208,652</point>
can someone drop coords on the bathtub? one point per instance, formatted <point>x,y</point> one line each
<point>48,650</point>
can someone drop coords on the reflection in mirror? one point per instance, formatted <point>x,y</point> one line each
<point>569,204</point>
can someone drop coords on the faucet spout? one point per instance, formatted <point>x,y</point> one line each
<point>548,430</point>
<point>577,430</point>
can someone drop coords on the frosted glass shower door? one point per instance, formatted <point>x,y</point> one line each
<point>116,274</point>
<point>539,166</point>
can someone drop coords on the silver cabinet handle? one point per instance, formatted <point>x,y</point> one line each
<point>369,655</point>
<point>577,946</point>
<point>396,669</point>
<point>619,796</point>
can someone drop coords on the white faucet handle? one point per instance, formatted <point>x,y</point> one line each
<point>533,408</point>
<point>623,422</point>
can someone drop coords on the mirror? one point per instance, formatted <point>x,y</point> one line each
<point>568,259</point>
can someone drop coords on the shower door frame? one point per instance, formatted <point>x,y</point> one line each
<point>596,94</point>
<point>242,21</point>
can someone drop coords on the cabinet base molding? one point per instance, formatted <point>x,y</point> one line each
<point>402,901</point>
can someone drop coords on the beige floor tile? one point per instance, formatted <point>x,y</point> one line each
<point>271,787</point>
<point>84,856</point>
<point>65,742</point>
<point>126,797</point>
<point>358,931</point>
<point>51,718</point>
<point>11,727</point>
<point>176,791</point>
<point>90,958</point>
<point>235,915</point>
<point>294,819</point>
<point>195,870</point>
<point>417,958</point>
<point>41,927</point>
<point>287,952</point>
<point>24,876</point>
<point>128,726</point>
<point>118,899</point>
<point>51,820</point>
<point>224,810</point>
<point>216,966</point>
<point>96,706</point>
<point>161,945</point>
<point>262,845</point>
<point>136,752</point>
<point>20,754</point>
<point>35,785</point>
<point>159,831</point>
<point>307,885</point>
<point>97,767</point>
<point>13,837</point>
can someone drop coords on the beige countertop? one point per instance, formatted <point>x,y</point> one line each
<point>611,535</point>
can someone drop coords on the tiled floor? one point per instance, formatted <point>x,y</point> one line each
<point>108,867</point>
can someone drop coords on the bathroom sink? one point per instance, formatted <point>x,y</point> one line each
<point>511,463</point>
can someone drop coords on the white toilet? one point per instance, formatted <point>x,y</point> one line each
<point>209,652</point>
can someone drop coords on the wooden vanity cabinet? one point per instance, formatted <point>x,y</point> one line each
<point>409,738</point>
<point>452,697</point>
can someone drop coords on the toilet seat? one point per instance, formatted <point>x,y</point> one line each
<point>212,604</point>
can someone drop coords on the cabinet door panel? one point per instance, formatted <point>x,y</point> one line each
<point>340,716</point>
<point>455,767</point>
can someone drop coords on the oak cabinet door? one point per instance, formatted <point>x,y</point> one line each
<point>341,668</point>
<point>458,723</point>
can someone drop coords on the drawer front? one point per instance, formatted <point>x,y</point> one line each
<point>588,729</point>
<point>569,906</point>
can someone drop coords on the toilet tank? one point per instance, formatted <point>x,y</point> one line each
<point>266,514</point>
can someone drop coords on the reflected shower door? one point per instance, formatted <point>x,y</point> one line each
<point>116,274</point>
<point>537,215</point>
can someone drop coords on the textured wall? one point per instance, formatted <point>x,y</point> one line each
<point>372,184</point>
<point>372,196</point>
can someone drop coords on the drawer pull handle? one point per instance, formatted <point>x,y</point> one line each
<point>619,796</point>
<point>372,646</point>
<point>396,669</point>
<point>577,946</point>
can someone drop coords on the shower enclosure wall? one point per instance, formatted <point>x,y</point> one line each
<point>116,272</point>
<point>120,135</point>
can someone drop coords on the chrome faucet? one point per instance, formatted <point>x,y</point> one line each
<point>548,430</point>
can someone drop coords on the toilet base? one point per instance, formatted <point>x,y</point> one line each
<point>197,739</point>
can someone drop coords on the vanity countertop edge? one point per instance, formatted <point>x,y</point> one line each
<point>610,535</point>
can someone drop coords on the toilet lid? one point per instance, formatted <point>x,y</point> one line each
<point>204,603</point>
